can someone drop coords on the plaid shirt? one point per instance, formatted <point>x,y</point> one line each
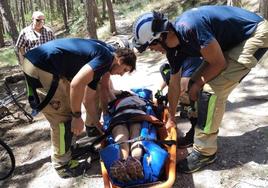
<point>29,38</point>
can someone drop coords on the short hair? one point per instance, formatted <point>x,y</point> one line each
<point>37,13</point>
<point>127,57</point>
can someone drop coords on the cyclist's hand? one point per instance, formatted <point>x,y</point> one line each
<point>77,126</point>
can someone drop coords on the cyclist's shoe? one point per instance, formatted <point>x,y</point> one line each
<point>134,168</point>
<point>92,131</point>
<point>194,162</point>
<point>118,171</point>
<point>73,169</point>
<point>187,140</point>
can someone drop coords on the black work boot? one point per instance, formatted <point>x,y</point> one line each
<point>187,140</point>
<point>73,169</point>
<point>194,162</point>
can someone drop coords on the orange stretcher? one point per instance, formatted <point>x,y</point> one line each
<point>170,165</point>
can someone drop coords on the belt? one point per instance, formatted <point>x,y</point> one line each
<point>259,53</point>
<point>34,99</point>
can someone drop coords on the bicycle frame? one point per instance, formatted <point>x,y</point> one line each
<point>13,97</point>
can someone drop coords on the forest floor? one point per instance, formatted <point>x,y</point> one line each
<point>242,158</point>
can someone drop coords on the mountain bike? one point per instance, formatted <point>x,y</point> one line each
<point>12,97</point>
<point>7,161</point>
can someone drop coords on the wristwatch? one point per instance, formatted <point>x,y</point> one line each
<point>76,114</point>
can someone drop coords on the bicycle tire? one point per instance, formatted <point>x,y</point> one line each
<point>27,115</point>
<point>7,161</point>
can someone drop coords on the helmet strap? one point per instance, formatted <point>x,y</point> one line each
<point>163,41</point>
<point>164,38</point>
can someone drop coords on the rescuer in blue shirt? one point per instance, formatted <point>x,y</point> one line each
<point>231,41</point>
<point>68,71</point>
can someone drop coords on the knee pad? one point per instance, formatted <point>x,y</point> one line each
<point>206,106</point>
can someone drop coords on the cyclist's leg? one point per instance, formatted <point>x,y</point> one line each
<point>120,134</point>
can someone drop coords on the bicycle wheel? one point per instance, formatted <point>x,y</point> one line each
<point>7,161</point>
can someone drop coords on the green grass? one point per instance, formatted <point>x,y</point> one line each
<point>8,57</point>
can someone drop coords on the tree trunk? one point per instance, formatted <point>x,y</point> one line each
<point>64,14</point>
<point>111,17</point>
<point>103,9</point>
<point>16,14</point>
<point>91,24</point>
<point>2,42</point>
<point>9,21</point>
<point>264,8</point>
<point>96,12</point>
<point>22,13</point>
<point>67,2</point>
<point>31,5</point>
<point>24,7</point>
<point>52,11</point>
<point>2,28</point>
<point>236,3</point>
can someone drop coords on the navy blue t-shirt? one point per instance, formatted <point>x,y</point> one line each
<point>190,65</point>
<point>197,27</point>
<point>65,57</point>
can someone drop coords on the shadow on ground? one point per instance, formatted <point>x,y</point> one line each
<point>233,152</point>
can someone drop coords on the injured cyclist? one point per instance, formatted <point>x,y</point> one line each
<point>127,114</point>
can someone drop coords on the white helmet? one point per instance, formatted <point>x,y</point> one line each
<point>147,28</point>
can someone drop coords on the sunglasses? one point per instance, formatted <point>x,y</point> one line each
<point>39,20</point>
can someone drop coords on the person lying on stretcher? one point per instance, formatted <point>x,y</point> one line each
<point>126,132</point>
<point>129,166</point>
